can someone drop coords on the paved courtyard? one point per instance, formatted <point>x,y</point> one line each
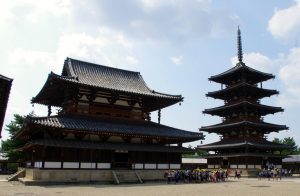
<point>243,187</point>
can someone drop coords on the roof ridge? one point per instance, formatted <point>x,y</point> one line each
<point>105,66</point>
<point>5,78</point>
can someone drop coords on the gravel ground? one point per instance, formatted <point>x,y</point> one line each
<point>242,187</point>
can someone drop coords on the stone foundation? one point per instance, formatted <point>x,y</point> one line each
<point>57,176</point>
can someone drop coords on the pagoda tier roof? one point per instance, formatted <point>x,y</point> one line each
<point>112,126</point>
<point>259,126</point>
<point>5,86</point>
<point>253,76</point>
<point>104,79</point>
<point>243,106</point>
<point>105,145</point>
<point>244,155</point>
<point>244,89</point>
<point>254,144</point>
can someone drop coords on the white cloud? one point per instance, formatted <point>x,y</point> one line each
<point>107,47</point>
<point>33,11</point>
<point>285,23</point>
<point>177,60</point>
<point>163,21</point>
<point>289,74</point>
<point>257,61</point>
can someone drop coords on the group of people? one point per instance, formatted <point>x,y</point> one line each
<point>274,173</point>
<point>196,176</point>
<point>270,171</point>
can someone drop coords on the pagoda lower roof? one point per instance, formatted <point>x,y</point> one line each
<point>99,78</point>
<point>244,106</point>
<point>105,145</point>
<point>267,127</point>
<point>235,73</point>
<point>243,88</point>
<point>5,86</point>
<point>112,126</point>
<point>254,144</point>
<point>263,155</point>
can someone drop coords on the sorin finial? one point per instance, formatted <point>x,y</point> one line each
<point>239,46</point>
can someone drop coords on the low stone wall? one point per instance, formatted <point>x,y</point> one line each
<point>151,175</point>
<point>244,172</point>
<point>69,176</point>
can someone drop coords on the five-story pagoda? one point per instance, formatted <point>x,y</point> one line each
<point>243,131</point>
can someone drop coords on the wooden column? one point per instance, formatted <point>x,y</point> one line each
<point>32,157</point>
<point>43,156</point>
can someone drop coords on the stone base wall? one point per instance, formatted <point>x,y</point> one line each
<point>245,172</point>
<point>102,176</point>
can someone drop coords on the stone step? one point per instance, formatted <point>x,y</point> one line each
<point>20,173</point>
<point>128,176</point>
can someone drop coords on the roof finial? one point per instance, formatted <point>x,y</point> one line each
<point>239,46</point>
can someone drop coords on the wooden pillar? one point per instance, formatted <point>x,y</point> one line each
<point>159,116</point>
<point>32,157</point>
<point>61,157</point>
<point>49,110</point>
<point>43,156</point>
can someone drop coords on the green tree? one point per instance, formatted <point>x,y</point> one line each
<point>9,146</point>
<point>288,141</point>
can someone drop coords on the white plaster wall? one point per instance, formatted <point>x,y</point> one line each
<point>138,166</point>
<point>88,165</point>
<point>174,166</point>
<point>150,166</point>
<point>162,166</point>
<point>71,165</point>
<point>52,164</point>
<point>103,165</point>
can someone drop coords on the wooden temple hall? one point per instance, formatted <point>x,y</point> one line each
<point>5,86</point>
<point>243,131</point>
<point>103,122</point>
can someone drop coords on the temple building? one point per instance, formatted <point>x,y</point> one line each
<point>243,131</point>
<point>5,86</point>
<point>102,123</point>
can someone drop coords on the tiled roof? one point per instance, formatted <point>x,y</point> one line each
<point>108,78</point>
<point>223,144</point>
<point>237,70</point>
<point>258,125</point>
<point>98,78</point>
<point>5,86</point>
<point>243,105</point>
<point>106,145</point>
<point>115,126</point>
<point>245,89</point>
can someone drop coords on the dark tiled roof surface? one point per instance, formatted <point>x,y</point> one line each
<point>243,105</point>
<point>108,78</point>
<point>106,125</point>
<point>223,144</point>
<point>107,146</point>
<point>260,125</point>
<point>5,86</point>
<point>237,70</point>
<point>103,80</point>
<point>241,88</point>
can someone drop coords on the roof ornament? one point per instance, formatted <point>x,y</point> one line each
<point>239,46</point>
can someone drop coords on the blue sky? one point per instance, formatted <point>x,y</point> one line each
<point>175,44</point>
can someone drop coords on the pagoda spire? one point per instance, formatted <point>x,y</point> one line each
<point>239,46</point>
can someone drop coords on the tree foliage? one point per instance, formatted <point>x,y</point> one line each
<point>288,141</point>
<point>9,146</point>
